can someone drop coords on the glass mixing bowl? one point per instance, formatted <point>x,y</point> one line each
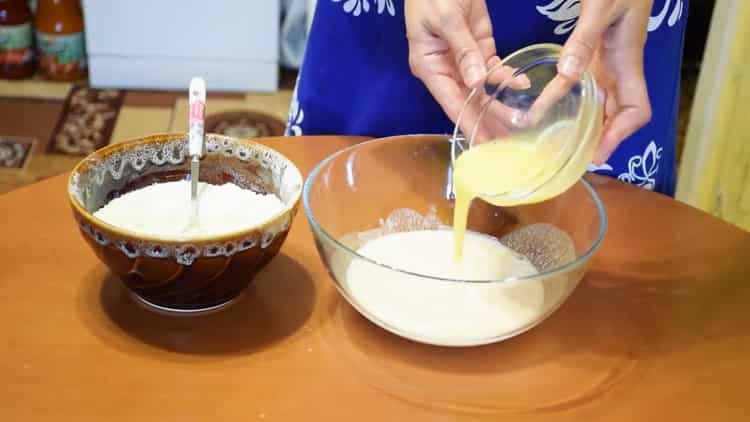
<point>524,99</point>
<point>401,184</point>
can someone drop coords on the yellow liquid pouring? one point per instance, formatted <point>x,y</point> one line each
<point>513,172</point>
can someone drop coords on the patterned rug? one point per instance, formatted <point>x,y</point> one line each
<point>244,124</point>
<point>26,125</point>
<point>45,127</point>
<point>14,151</point>
<point>87,120</point>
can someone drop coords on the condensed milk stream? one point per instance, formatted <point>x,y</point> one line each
<point>509,172</point>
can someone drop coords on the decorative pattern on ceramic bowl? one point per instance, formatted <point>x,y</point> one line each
<point>204,272</point>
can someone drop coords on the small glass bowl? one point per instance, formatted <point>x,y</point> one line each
<point>523,99</point>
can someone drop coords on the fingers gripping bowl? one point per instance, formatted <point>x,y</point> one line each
<point>200,273</point>
<point>387,187</point>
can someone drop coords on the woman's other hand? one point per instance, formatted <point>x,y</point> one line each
<point>608,40</point>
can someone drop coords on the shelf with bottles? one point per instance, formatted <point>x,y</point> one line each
<point>44,37</point>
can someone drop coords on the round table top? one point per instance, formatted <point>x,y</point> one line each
<point>658,330</point>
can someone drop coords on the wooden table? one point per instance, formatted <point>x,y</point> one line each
<point>659,330</point>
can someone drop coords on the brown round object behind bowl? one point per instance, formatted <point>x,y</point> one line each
<point>244,124</point>
<point>201,273</point>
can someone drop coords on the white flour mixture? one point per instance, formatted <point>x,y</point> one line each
<point>445,312</point>
<point>163,210</point>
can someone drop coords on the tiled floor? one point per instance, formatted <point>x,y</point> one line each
<point>39,120</point>
<point>30,117</point>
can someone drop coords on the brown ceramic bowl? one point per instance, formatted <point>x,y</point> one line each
<point>201,274</point>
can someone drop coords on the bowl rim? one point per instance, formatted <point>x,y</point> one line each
<point>163,138</point>
<point>309,181</point>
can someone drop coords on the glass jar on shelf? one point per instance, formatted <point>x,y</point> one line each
<point>16,40</point>
<point>60,40</point>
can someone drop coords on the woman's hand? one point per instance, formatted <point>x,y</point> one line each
<point>450,44</point>
<point>608,40</point>
<point>451,47</point>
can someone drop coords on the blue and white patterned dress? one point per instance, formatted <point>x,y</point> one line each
<point>355,78</point>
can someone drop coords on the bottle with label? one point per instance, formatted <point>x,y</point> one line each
<point>16,40</point>
<point>59,37</point>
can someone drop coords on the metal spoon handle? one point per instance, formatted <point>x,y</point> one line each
<point>196,130</point>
